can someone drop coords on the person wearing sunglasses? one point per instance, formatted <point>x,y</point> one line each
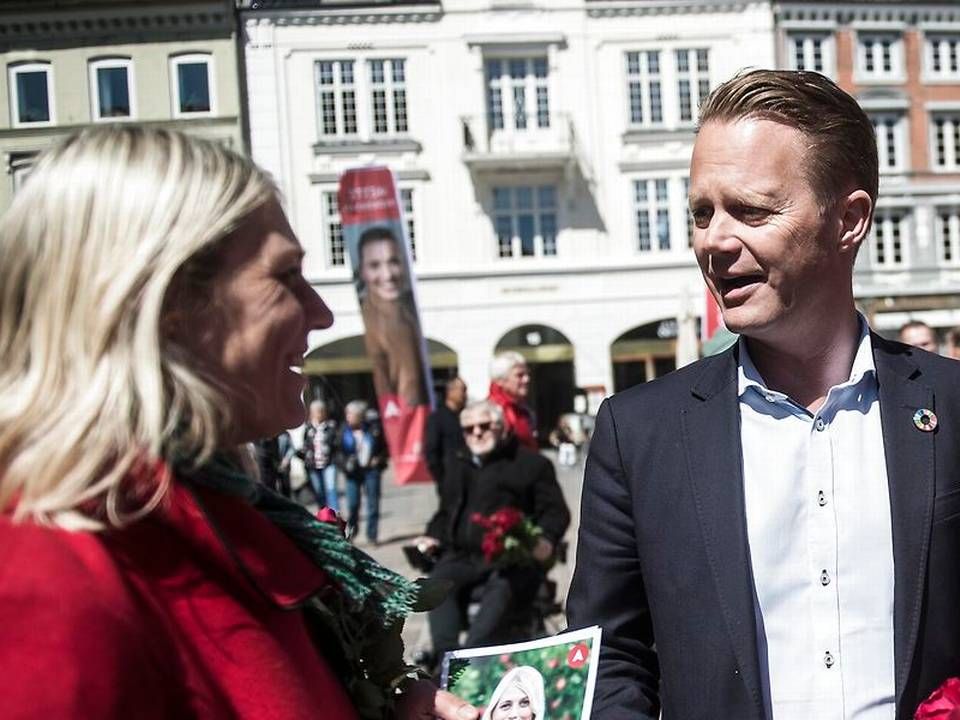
<point>493,472</point>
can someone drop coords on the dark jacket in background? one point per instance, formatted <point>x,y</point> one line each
<point>444,436</point>
<point>512,476</point>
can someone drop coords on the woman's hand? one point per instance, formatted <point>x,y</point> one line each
<point>423,701</point>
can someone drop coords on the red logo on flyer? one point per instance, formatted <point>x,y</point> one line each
<point>578,655</point>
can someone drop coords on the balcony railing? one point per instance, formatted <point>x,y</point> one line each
<point>540,142</point>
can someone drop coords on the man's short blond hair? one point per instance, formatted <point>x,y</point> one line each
<point>841,143</point>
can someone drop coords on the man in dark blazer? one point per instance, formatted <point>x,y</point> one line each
<point>774,532</point>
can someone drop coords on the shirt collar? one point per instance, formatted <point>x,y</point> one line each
<point>863,366</point>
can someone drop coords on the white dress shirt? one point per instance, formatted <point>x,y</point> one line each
<point>821,546</point>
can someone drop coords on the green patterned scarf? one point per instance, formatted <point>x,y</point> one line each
<point>366,615</point>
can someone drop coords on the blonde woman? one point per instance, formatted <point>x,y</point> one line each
<point>518,696</point>
<point>153,319</point>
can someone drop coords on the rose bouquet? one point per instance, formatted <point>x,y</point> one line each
<point>510,537</point>
<point>943,703</point>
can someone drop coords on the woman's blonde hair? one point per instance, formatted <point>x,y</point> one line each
<point>89,386</point>
<point>529,681</point>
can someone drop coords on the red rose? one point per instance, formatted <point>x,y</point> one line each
<point>480,519</point>
<point>329,515</point>
<point>492,546</point>
<point>507,518</point>
<point>943,703</point>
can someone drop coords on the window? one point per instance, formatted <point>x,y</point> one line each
<point>693,81</point>
<point>948,234</point>
<point>891,140</point>
<point>518,97</point>
<point>193,87</point>
<point>643,88</point>
<point>112,95</point>
<point>525,220</point>
<point>810,51</point>
<point>888,233</point>
<point>31,94</point>
<point>388,96</point>
<point>337,97</point>
<point>333,230</point>
<point>687,213</point>
<point>946,141</point>
<point>19,166</point>
<point>880,56</point>
<point>943,56</point>
<point>652,210</point>
<point>406,206</point>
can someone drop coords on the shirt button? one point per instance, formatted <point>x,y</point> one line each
<point>821,498</point>
<point>824,578</point>
<point>828,659</point>
<point>819,424</point>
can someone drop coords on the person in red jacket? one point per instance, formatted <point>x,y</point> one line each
<point>153,307</point>
<point>509,387</point>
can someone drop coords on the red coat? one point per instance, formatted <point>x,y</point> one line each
<point>189,613</point>
<point>518,419</point>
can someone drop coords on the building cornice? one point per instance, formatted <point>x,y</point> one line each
<point>867,13</point>
<point>42,26</point>
<point>624,8</point>
<point>334,15</point>
<point>185,124</point>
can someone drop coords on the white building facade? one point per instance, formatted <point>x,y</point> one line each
<point>542,151</point>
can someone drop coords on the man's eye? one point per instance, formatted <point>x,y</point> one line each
<point>752,213</point>
<point>701,217</point>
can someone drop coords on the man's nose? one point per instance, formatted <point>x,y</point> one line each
<point>319,316</point>
<point>721,236</point>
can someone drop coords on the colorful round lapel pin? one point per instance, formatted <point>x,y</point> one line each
<point>925,420</point>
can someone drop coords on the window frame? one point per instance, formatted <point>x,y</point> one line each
<point>390,86</point>
<point>191,58</point>
<point>951,138</point>
<point>110,63</point>
<point>339,89</point>
<point>827,49</point>
<point>899,216</point>
<point>947,233</point>
<point>900,139</point>
<point>644,78</point>
<point>897,72</point>
<point>931,40</point>
<point>652,206</point>
<point>694,76</point>
<point>537,211</point>
<point>533,87</point>
<point>15,69</point>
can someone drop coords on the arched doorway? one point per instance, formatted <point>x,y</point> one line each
<point>644,353</point>
<point>340,371</point>
<point>549,355</point>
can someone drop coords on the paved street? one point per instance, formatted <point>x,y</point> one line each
<point>406,510</point>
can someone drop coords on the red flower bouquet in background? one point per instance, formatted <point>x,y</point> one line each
<point>510,537</point>
<point>943,703</point>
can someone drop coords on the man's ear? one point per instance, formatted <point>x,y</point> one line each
<point>855,211</point>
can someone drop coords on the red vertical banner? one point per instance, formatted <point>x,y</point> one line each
<point>712,318</point>
<point>375,237</point>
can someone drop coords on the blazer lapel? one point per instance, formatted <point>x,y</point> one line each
<point>909,456</point>
<point>711,429</point>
